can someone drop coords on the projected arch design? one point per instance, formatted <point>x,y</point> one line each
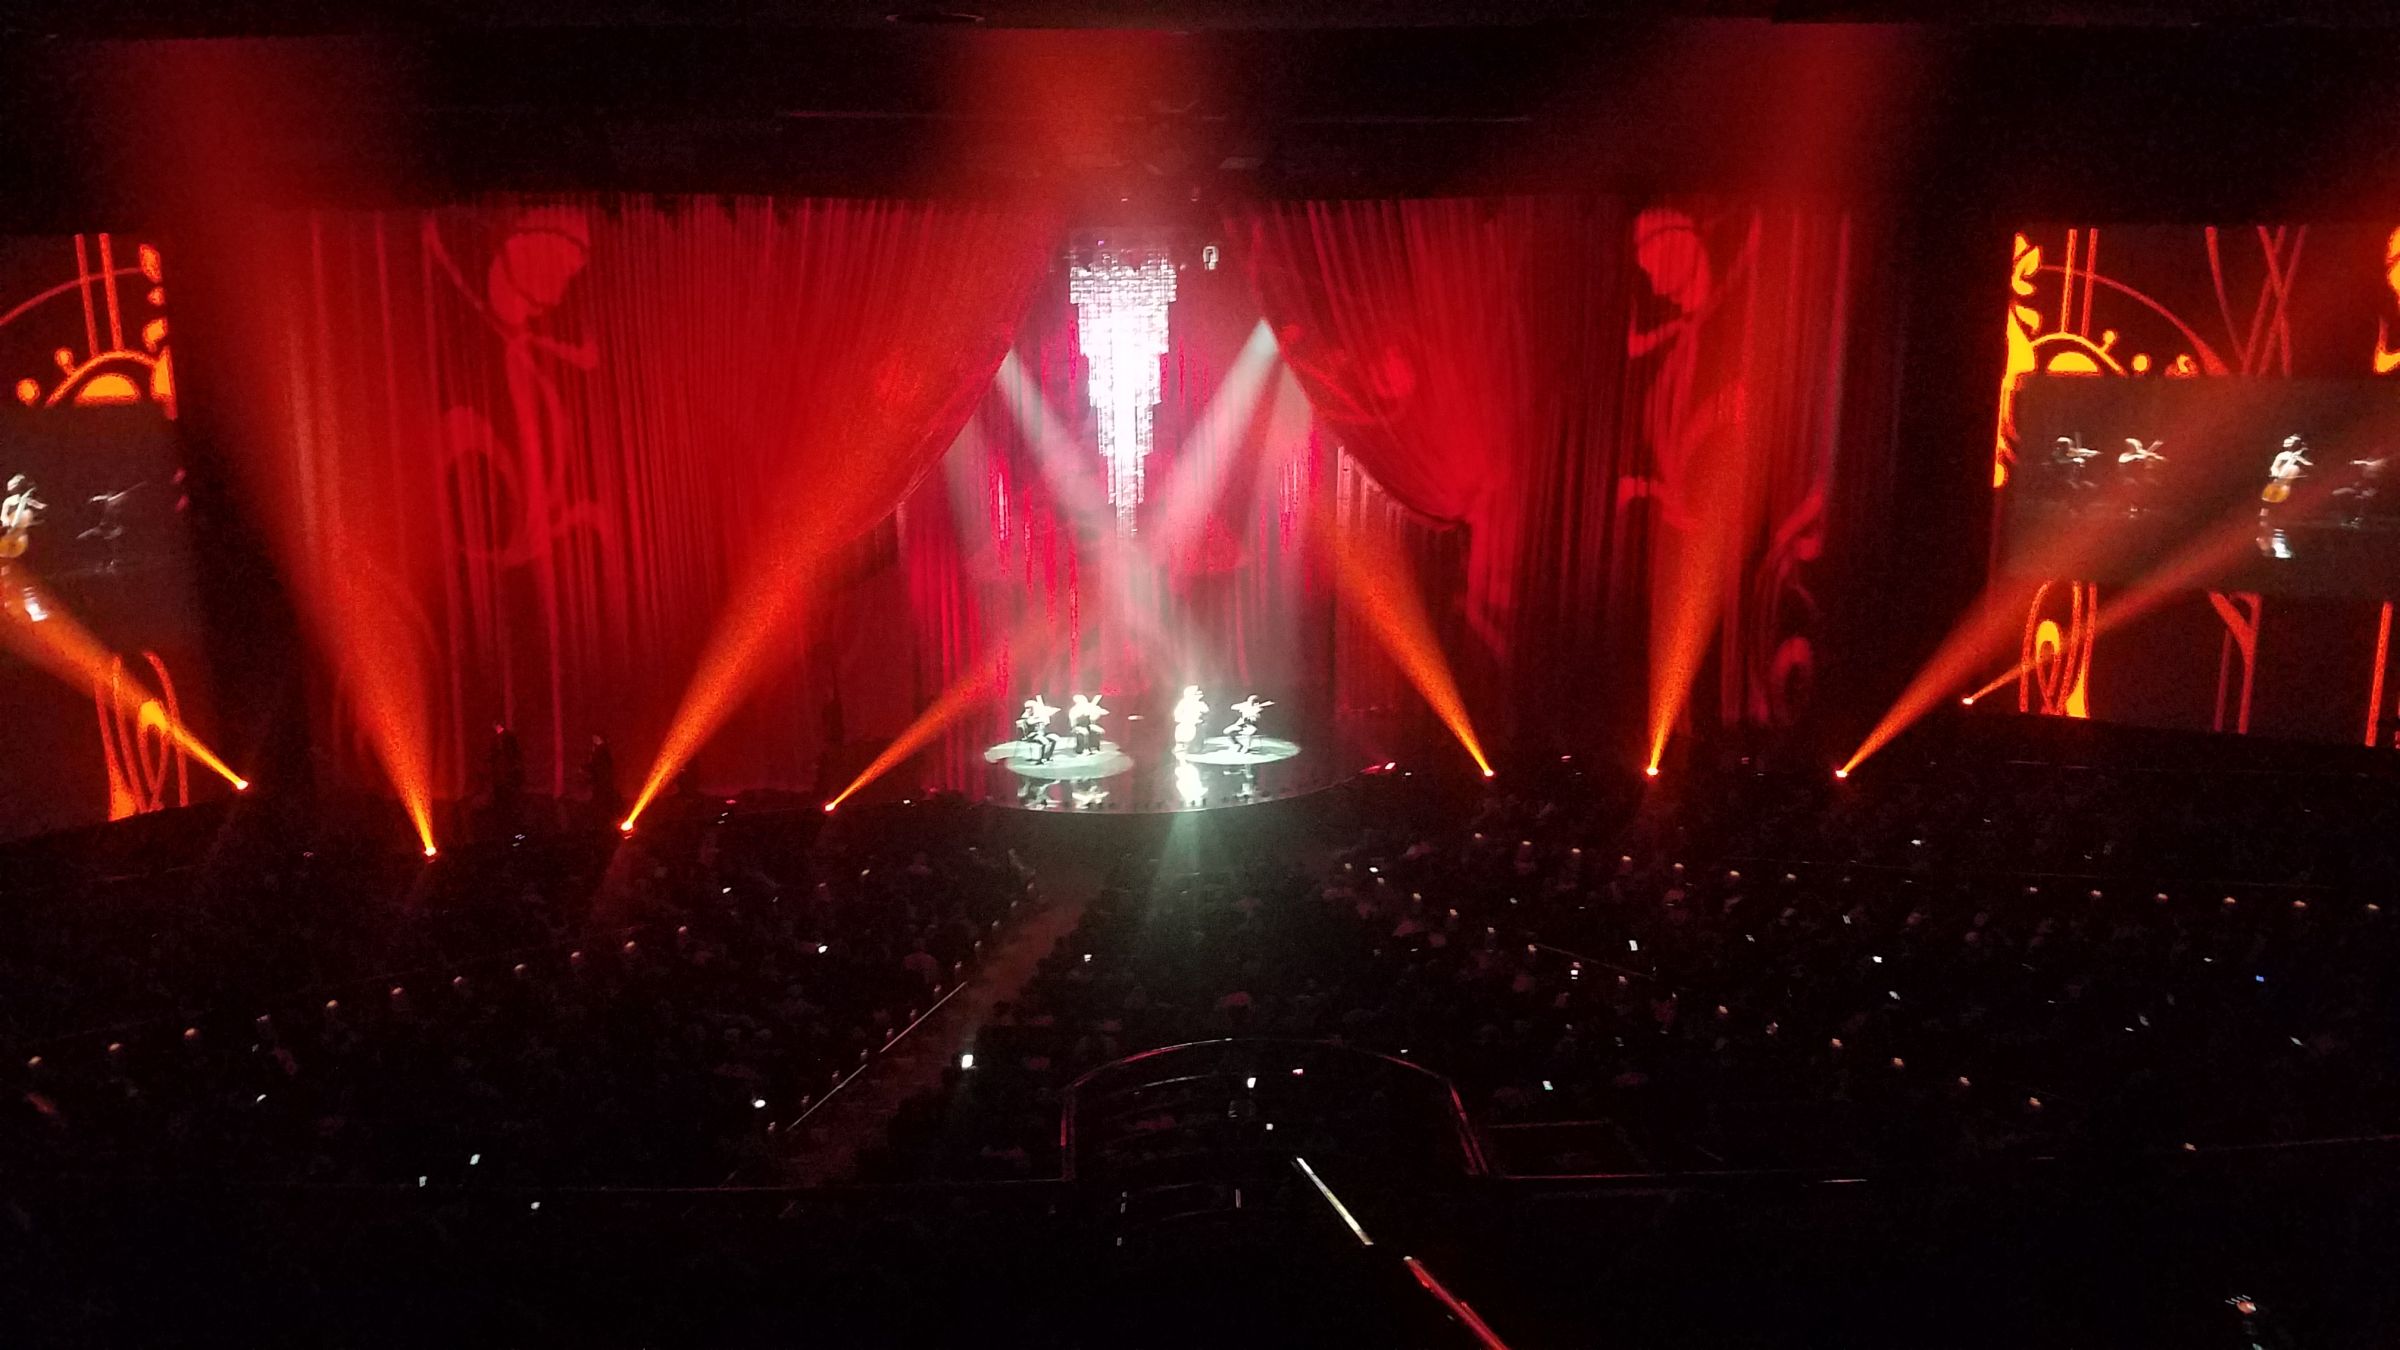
<point>140,752</point>
<point>2240,611</point>
<point>2055,664</point>
<point>2103,325</point>
<point>118,354</point>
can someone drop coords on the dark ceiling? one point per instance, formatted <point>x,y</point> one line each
<point>254,18</point>
<point>2050,106</point>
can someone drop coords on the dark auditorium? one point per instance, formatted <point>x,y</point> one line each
<point>1200,675</point>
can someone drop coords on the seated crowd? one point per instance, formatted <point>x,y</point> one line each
<point>1798,975</point>
<point>660,1037</point>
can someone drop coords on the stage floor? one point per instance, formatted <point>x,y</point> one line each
<point>1145,774</point>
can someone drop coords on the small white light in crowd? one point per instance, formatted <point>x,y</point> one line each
<point>1876,959</point>
<point>1546,1086</point>
<point>1296,1072</point>
<point>1899,1063</point>
<point>966,1059</point>
<point>822,949</point>
<point>474,1159</point>
<point>261,1097</point>
<point>1632,945</point>
<point>1087,958</point>
<point>1270,1126</point>
<point>535,1205</point>
<point>758,1103</point>
<point>1250,1082</point>
<point>420,1183</point>
<point>1892,994</point>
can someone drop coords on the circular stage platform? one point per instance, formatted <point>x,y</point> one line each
<point>1149,776</point>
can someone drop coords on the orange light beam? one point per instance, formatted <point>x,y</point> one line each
<point>1688,595</point>
<point>1967,644</point>
<point>361,631</point>
<point>2383,642</point>
<point>1998,680</point>
<point>1971,642</point>
<point>972,686</point>
<point>69,652</point>
<point>730,667</point>
<point>1369,573</point>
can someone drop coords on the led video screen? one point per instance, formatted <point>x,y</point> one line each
<point>2191,476</point>
<point>100,636</point>
<point>2278,486</point>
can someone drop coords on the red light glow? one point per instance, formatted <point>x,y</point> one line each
<point>64,648</point>
<point>1371,576</point>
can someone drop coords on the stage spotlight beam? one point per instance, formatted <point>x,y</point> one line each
<point>64,649</point>
<point>972,686</point>
<point>1369,574</point>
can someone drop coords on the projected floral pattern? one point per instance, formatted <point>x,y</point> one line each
<point>2057,654</point>
<point>141,754</point>
<point>1730,366</point>
<point>81,325</point>
<point>2097,323</point>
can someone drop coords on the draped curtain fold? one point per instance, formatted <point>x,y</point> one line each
<point>1432,336</point>
<point>1591,389</point>
<point>559,435</point>
<point>1014,548</point>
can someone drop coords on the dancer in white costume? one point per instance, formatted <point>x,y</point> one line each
<point>1244,728</point>
<point>1033,728</point>
<point>1083,720</point>
<point>1188,711</point>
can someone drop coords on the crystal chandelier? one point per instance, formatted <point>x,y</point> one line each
<point>1121,299</point>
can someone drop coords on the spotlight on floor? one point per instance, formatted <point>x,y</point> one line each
<point>1650,771</point>
<point>624,827</point>
<point>1841,773</point>
<point>431,851</point>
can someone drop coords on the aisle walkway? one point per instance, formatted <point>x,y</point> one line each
<point>855,1118</point>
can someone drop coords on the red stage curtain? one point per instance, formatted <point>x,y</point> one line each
<point>1013,542</point>
<point>558,433</point>
<point>1544,375</point>
<point>1432,337</point>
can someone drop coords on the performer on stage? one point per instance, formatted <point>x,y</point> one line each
<point>600,782</point>
<point>2068,460</point>
<point>2358,496</point>
<point>1033,728</point>
<point>110,532</point>
<point>1244,729</point>
<point>1083,719</point>
<point>20,511</point>
<point>2289,466</point>
<point>1188,711</point>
